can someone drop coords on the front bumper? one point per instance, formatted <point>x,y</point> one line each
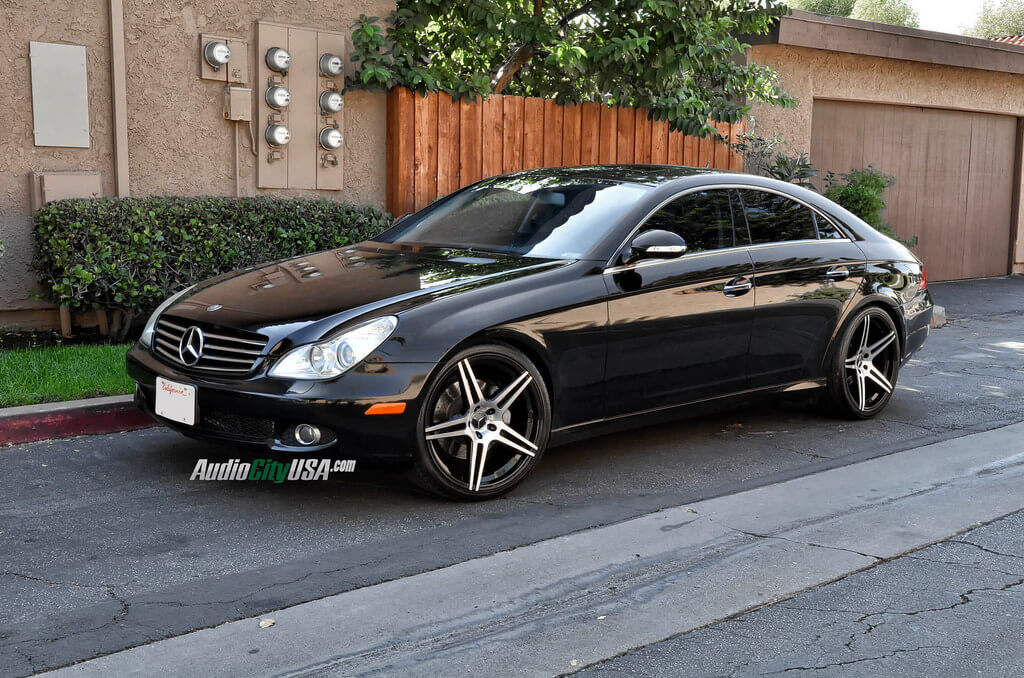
<point>263,412</point>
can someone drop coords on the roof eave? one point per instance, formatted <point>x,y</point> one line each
<point>867,38</point>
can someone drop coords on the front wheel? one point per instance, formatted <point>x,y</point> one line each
<point>865,365</point>
<point>483,425</point>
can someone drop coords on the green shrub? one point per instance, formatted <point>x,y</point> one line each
<point>796,170</point>
<point>863,193</point>
<point>763,155</point>
<point>128,254</point>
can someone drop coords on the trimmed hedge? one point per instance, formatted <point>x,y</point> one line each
<point>128,254</point>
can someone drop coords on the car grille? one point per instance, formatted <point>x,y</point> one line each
<point>225,351</point>
<point>237,426</point>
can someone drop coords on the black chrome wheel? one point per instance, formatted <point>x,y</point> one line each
<point>483,425</point>
<point>866,366</point>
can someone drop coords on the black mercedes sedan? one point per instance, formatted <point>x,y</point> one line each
<point>531,308</point>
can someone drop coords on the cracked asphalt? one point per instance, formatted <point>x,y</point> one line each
<point>952,609</point>
<point>105,544</point>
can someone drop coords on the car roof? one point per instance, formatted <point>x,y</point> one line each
<point>648,175</point>
<point>665,180</point>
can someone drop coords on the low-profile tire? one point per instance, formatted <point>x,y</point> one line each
<point>483,424</point>
<point>864,366</point>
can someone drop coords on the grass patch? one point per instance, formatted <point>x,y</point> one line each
<point>29,376</point>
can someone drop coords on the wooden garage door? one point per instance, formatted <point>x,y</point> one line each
<point>954,177</point>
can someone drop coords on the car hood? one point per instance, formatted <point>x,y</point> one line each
<point>304,298</point>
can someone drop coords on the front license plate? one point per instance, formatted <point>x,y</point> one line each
<point>175,401</point>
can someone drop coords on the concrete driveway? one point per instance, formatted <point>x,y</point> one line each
<point>107,545</point>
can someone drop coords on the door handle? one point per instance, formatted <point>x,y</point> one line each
<point>737,287</point>
<point>837,273</point>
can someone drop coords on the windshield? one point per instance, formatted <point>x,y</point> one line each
<point>527,215</point>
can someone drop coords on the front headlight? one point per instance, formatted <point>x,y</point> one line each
<point>331,358</point>
<point>147,333</point>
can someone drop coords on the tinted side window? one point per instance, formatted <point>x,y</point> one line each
<point>704,220</point>
<point>826,231</point>
<point>775,218</point>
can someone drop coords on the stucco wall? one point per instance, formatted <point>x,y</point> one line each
<point>179,142</point>
<point>81,22</point>
<point>810,73</point>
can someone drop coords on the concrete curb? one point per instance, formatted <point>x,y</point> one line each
<point>32,423</point>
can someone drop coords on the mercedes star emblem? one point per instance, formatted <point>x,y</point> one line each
<point>215,307</point>
<point>190,350</point>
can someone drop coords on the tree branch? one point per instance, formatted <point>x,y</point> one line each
<point>511,66</point>
<point>515,63</point>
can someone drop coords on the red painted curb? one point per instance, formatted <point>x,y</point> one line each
<point>28,428</point>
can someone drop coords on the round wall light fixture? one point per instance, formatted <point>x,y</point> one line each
<point>330,138</point>
<point>331,102</point>
<point>278,135</point>
<point>278,97</point>
<point>278,60</point>
<point>331,65</point>
<point>217,54</point>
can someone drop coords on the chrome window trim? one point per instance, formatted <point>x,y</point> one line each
<point>609,265</point>
<point>654,262</point>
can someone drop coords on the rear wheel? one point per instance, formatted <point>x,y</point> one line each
<point>865,365</point>
<point>483,425</point>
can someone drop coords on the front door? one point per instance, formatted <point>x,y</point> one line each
<point>679,329</point>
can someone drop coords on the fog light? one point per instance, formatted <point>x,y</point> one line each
<point>307,434</point>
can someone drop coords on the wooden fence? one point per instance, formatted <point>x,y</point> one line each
<point>436,145</point>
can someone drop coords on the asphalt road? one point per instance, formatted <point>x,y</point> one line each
<point>106,544</point>
<point>952,609</point>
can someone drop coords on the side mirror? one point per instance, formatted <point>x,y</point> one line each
<point>656,244</point>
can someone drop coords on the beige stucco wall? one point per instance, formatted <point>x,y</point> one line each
<point>808,74</point>
<point>179,142</point>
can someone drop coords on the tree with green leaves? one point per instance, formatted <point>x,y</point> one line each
<point>677,59</point>
<point>999,19</point>
<point>893,12</point>
<point>833,7</point>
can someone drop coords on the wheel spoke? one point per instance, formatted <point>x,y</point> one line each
<point>851,363</point>
<point>505,399</point>
<point>448,429</point>
<point>880,345</point>
<point>875,375</point>
<point>476,467</point>
<point>511,437</point>
<point>470,387</point>
<point>864,336</point>
<point>862,389</point>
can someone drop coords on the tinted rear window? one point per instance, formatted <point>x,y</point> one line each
<point>775,218</point>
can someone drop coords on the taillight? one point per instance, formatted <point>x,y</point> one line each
<point>923,285</point>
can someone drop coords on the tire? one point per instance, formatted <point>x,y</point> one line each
<point>481,447</point>
<point>864,367</point>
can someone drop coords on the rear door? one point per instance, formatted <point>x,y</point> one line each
<point>806,270</point>
<point>679,328</point>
